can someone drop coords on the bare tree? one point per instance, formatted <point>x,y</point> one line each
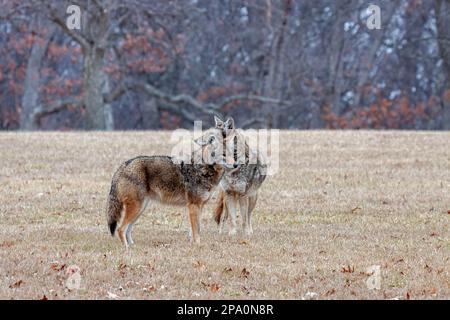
<point>442,10</point>
<point>31,108</point>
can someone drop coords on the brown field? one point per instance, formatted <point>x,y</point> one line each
<point>341,202</point>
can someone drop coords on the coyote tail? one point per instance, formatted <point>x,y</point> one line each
<point>218,211</point>
<point>114,209</point>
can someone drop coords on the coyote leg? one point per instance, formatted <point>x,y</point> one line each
<point>194,213</point>
<point>244,207</point>
<point>223,218</point>
<point>129,230</point>
<point>130,213</point>
<point>251,205</point>
<point>231,206</point>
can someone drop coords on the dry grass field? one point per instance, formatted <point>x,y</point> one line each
<point>341,202</point>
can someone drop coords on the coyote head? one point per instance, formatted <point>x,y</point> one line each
<point>234,143</point>
<point>211,143</point>
<point>227,127</point>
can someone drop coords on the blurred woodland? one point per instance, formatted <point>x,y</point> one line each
<point>270,64</point>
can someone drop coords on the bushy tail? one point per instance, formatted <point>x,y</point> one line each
<point>218,211</point>
<point>114,209</point>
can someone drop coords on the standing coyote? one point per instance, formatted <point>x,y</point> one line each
<point>166,180</point>
<point>239,186</point>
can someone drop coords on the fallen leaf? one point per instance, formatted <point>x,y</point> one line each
<point>330,292</point>
<point>433,234</point>
<point>122,266</point>
<point>347,269</point>
<point>243,242</point>
<point>227,270</point>
<point>16,284</point>
<point>246,291</point>
<point>408,296</point>
<point>7,244</point>
<point>57,267</point>
<point>44,297</point>
<point>245,273</point>
<point>356,209</point>
<point>200,265</point>
<point>214,287</point>
<point>150,289</point>
<point>432,291</point>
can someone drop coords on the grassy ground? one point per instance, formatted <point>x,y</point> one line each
<point>341,202</point>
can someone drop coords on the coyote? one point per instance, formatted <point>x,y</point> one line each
<point>167,180</point>
<point>241,185</point>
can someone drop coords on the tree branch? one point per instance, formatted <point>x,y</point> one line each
<point>74,35</point>
<point>253,97</point>
<point>53,108</point>
<point>176,102</point>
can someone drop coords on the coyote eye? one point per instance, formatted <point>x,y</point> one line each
<point>211,139</point>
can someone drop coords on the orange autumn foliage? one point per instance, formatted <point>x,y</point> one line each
<point>383,114</point>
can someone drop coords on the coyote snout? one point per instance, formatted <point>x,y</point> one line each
<point>167,180</point>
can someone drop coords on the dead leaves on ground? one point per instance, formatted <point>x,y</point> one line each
<point>330,292</point>
<point>16,284</point>
<point>356,209</point>
<point>7,244</point>
<point>55,266</point>
<point>149,289</point>
<point>348,269</point>
<point>227,270</point>
<point>200,265</point>
<point>245,273</point>
<point>122,267</point>
<point>213,287</point>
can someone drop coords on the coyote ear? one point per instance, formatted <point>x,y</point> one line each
<point>218,121</point>
<point>229,124</point>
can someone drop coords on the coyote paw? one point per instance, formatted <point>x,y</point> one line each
<point>195,240</point>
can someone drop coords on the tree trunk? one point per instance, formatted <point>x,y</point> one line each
<point>442,10</point>
<point>94,84</point>
<point>335,65</point>
<point>273,85</point>
<point>369,58</point>
<point>30,98</point>
<point>108,111</point>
